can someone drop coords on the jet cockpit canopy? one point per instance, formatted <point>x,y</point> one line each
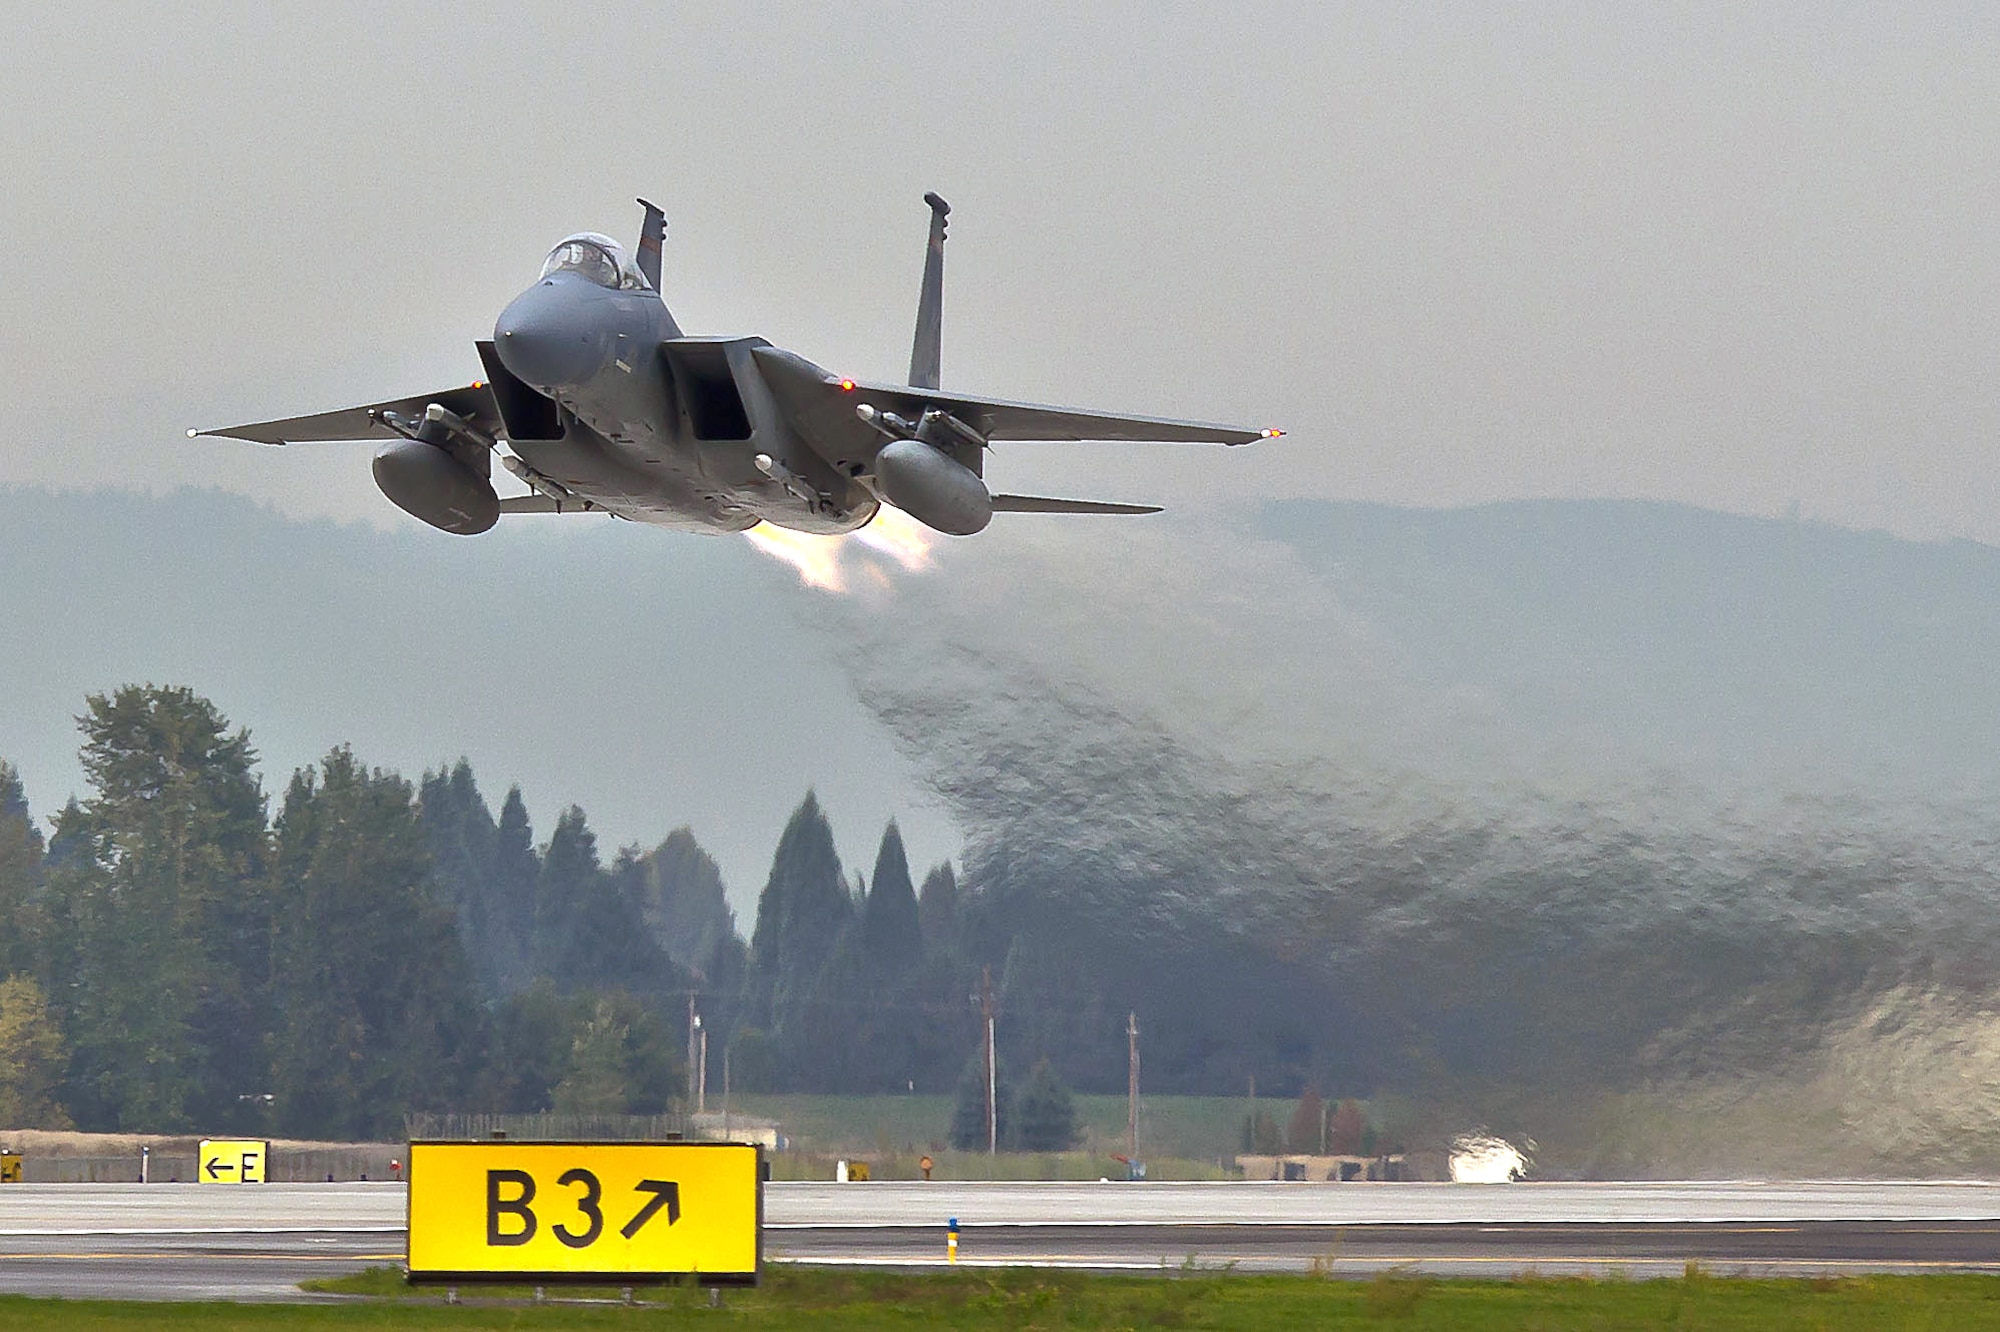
<point>596,258</point>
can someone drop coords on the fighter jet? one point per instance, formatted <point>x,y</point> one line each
<point>603,405</point>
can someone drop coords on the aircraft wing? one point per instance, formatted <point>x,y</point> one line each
<point>998,418</point>
<point>822,405</point>
<point>474,402</point>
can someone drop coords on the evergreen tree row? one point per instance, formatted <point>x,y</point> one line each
<point>179,956</point>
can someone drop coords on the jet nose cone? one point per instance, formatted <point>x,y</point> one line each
<point>547,339</point>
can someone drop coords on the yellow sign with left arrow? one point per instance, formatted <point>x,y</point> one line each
<point>232,1161</point>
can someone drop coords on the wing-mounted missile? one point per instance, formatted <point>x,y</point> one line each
<point>886,422</point>
<point>953,438</point>
<point>438,471</point>
<point>550,496</point>
<point>442,428</point>
<point>937,428</point>
<point>794,485</point>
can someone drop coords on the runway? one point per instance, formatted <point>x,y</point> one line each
<point>1805,1248</point>
<point>187,1266</point>
<point>191,1242</point>
<point>185,1241</point>
<point>1764,1229</point>
<point>1264,1204</point>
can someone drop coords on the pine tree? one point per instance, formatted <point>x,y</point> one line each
<point>685,902</point>
<point>515,870</point>
<point>31,1057</point>
<point>20,876</point>
<point>828,1031</point>
<point>598,1081</point>
<point>1044,1114</point>
<point>164,916</point>
<point>569,868</point>
<point>968,1114</point>
<point>937,910</point>
<point>889,929</point>
<point>622,1060</point>
<point>1053,988</point>
<point>634,959</point>
<point>590,930</point>
<point>805,902</point>
<point>460,832</point>
<point>377,1010</point>
<point>802,917</point>
<point>527,1050</point>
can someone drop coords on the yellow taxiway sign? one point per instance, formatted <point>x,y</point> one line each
<point>232,1161</point>
<point>585,1211</point>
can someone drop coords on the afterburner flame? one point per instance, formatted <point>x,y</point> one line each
<point>817,558</point>
<point>831,563</point>
<point>900,537</point>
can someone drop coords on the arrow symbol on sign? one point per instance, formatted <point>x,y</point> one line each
<point>665,1194</point>
<point>216,1167</point>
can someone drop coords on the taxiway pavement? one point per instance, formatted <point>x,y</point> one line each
<point>186,1241</point>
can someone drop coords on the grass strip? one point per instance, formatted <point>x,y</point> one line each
<point>1021,1299</point>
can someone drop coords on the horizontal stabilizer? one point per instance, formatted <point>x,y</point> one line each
<point>1038,504</point>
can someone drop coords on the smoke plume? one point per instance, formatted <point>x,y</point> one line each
<point>1247,796</point>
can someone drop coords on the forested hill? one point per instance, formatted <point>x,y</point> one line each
<point>1673,634</point>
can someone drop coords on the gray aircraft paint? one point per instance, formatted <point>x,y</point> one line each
<point>604,405</point>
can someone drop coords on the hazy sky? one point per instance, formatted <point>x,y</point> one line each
<point>1740,256</point>
<point>1736,255</point>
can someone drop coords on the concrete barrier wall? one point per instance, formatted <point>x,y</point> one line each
<point>285,1166</point>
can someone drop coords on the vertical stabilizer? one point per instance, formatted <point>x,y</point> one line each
<point>925,355</point>
<point>652,236</point>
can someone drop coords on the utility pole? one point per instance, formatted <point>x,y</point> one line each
<point>725,1093</point>
<point>1132,1085</point>
<point>701,1074</point>
<point>694,1026</point>
<point>986,1012</point>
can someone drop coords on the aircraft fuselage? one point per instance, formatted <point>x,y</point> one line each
<point>660,428</point>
